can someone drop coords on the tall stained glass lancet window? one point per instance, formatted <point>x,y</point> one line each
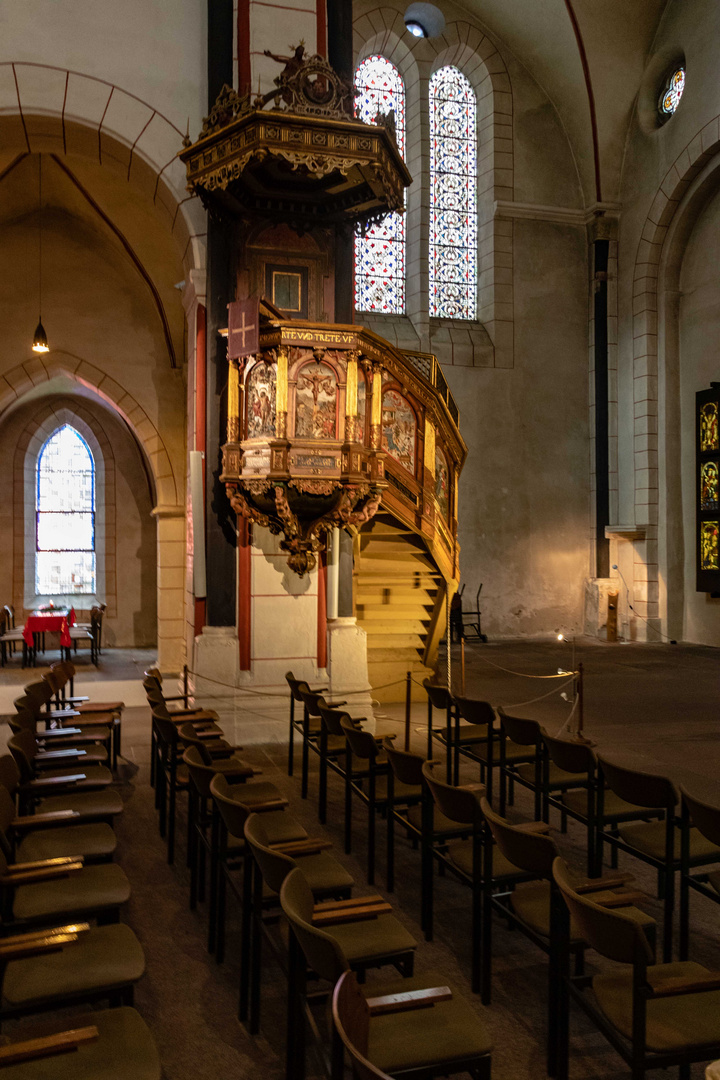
<point>708,493</point>
<point>65,516</point>
<point>380,254</point>
<point>453,196</point>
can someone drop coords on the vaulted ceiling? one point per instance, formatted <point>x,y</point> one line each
<point>589,57</point>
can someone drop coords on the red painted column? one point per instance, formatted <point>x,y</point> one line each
<point>200,420</point>
<point>322,612</point>
<point>321,27</point>
<point>244,577</point>
<point>243,46</point>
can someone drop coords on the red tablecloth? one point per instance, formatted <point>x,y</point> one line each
<point>47,622</point>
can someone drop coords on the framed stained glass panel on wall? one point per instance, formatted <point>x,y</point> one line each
<point>707,409</point>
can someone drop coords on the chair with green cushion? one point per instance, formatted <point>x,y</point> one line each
<point>440,698</point>
<point>479,717</point>
<point>65,726</point>
<point>472,858</point>
<point>228,851</point>
<point>202,720</point>
<point>312,728</point>
<point>326,877</point>
<point>655,1015</point>
<point>525,768</point>
<point>81,714</point>
<point>406,792</point>
<point>297,686</point>
<point>64,808</point>
<point>45,771</point>
<point>535,907</point>
<point>53,968</point>
<point>366,773</point>
<point>201,770</point>
<point>433,1031</point>
<point>331,938</point>
<point>46,753</point>
<point>107,1044</point>
<point>22,840</point>
<point>60,888</point>
<point>333,751</point>
<point>569,785</point>
<point>704,818</point>
<point>654,842</point>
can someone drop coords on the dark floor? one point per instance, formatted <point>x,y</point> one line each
<point>656,705</point>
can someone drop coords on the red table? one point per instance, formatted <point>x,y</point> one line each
<point>45,622</point>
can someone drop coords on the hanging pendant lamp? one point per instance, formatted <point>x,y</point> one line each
<point>40,342</point>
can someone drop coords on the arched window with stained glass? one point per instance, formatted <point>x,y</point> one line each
<point>65,516</point>
<point>380,253</point>
<point>453,196</point>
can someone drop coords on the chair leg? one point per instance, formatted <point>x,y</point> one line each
<point>246,937</point>
<point>371,830</point>
<point>390,845</point>
<point>256,952</point>
<point>290,739</point>
<point>305,756</point>
<point>322,788</point>
<point>348,805</point>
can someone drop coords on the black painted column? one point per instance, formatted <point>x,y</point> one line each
<point>220,520</point>
<point>601,249</point>
<point>339,14</point>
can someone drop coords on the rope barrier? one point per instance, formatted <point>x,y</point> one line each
<point>555,690</point>
<point>282,694</point>
<point>524,674</point>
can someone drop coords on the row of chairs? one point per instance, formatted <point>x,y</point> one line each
<point>264,855</point>
<point>62,944</point>
<point>621,808</point>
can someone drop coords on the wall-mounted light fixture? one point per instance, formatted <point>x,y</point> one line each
<point>424,20</point>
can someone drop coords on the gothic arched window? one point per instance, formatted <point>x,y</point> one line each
<point>65,516</point>
<point>380,254</point>
<point>453,196</point>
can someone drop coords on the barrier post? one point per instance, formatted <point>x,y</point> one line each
<point>408,701</point>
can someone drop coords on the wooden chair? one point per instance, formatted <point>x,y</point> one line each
<point>47,969</point>
<point>10,635</point>
<point>439,697</point>
<point>103,1043</point>
<point>29,840</point>
<point>53,800</point>
<point>230,857</point>
<point>476,862</point>
<point>272,863</point>
<point>64,768</point>
<point>366,773</point>
<point>655,1015</point>
<point>333,751</point>
<point>656,843</point>
<point>536,908</point>
<point>330,938</point>
<point>705,819</point>
<point>429,1030</point>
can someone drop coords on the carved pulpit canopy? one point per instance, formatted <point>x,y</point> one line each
<point>297,153</point>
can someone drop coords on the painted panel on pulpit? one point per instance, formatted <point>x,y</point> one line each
<point>398,429</point>
<point>709,486</point>
<point>361,403</point>
<point>709,427</point>
<point>709,550</point>
<point>442,483</point>
<point>261,401</point>
<point>316,402</point>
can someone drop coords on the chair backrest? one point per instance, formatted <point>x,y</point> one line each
<point>522,731</point>
<point>55,681</point>
<point>38,695</point>
<point>406,766</point>
<point>351,1019</point>
<point>273,865</point>
<point>23,748</point>
<point>332,718</point>
<point>607,930</point>
<point>572,757</point>
<point>311,699</point>
<point>475,712</point>
<point>10,612</point>
<point>439,696</point>
<point>704,816</point>
<point>165,727</point>
<point>456,803</point>
<point>24,718</point>
<point>190,738</point>
<point>362,743</point>
<point>533,852</point>
<point>296,685</point>
<point>7,816</point>
<point>9,773</point>
<point>201,773</point>
<point>322,951</point>
<point>639,788</point>
<point>233,813</point>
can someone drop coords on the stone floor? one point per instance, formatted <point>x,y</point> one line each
<point>654,705</point>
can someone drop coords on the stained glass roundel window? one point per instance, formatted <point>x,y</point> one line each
<point>672,92</point>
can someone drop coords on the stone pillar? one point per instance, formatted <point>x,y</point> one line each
<point>170,587</point>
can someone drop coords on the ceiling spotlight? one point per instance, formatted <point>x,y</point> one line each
<point>424,20</point>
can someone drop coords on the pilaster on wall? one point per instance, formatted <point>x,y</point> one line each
<point>463,45</point>
<point>171,587</point>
